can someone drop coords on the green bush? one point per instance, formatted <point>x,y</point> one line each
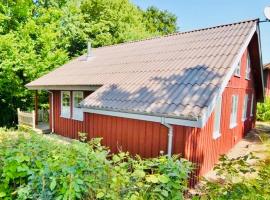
<point>242,178</point>
<point>263,110</point>
<point>36,167</point>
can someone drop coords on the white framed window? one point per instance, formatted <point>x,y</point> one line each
<point>216,131</point>
<point>238,69</point>
<point>244,111</point>
<point>248,67</point>
<point>77,112</point>
<point>234,108</point>
<point>251,105</point>
<point>65,104</point>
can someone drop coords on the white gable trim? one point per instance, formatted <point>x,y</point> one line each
<point>212,105</point>
<point>159,119</point>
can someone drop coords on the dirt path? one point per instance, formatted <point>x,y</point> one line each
<point>252,143</point>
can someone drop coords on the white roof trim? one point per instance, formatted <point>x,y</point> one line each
<point>159,119</point>
<point>212,105</point>
<point>65,87</point>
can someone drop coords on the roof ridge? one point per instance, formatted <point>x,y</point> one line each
<point>179,33</point>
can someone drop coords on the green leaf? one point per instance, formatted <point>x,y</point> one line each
<point>100,195</point>
<point>139,173</point>
<point>163,179</point>
<point>152,178</point>
<point>2,194</point>
<point>165,193</point>
<point>53,184</point>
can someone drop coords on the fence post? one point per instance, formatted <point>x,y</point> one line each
<point>34,118</point>
<point>18,113</point>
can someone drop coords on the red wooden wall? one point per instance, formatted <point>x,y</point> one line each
<point>267,82</point>
<point>149,138</point>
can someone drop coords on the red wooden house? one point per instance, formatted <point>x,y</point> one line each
<point>191,93</point>
<point>266,73</point>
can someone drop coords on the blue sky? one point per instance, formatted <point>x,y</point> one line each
<point>193,14</point>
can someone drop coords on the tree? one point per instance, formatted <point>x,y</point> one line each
<point>160,22</point>
<point>38,36</point>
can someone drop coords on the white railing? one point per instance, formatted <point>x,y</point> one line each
<point>26,118</point>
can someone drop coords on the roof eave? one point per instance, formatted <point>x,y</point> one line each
<point>63,87</point>
<point>175,120</point>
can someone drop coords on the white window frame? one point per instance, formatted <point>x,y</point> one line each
<point>65,110</point>
<point>252,105</point>
<point>217,119</point>
<point>245,105</point>
<point>234,110</point>
<point>237,71</point>
<point>77,112</point>
<point>248,67</point>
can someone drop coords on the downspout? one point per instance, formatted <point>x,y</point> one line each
<point>170,136</point>
<point>52,111</point>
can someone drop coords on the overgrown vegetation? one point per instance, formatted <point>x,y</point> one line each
<point>37,36</point>
<point>36,167</point>
<point>242,178</point>
<point>263,110</point>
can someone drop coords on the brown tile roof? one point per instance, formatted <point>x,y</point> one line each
<point>177,75</point>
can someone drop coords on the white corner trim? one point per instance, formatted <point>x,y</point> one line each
<point>151,118</point>
<point>227,78</point>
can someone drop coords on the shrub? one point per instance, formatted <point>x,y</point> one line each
<point>263,110</point>
<point>36,167</point>
<point>239,179</point>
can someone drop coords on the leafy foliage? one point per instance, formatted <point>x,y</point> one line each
<point>36,167</point>
<point>243,178</point>
<point>263,110</point>
<point>38,36</point>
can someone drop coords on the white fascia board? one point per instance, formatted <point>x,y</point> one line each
<point>65,87</point>
<point>151,118</point>
<point>227,78</point>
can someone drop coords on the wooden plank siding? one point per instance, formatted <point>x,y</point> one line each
<point>267,82</point>
<point>148,139</point>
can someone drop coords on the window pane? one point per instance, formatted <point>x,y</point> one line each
<point>216,132</point>
<point>78,97</point>
<point>77,110</point>
<point>251,106</point>
<point>65,104</point>
<point>66,99</point>
<point>238,69</point>
<point>244,112</point>
<point>248,67</point>
<point>233,119</point>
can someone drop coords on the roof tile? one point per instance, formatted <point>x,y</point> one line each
<point>176,75</point>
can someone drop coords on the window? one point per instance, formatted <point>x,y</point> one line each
<point>251,105</point>
<point>217,110</point>
<point>248,67</point>
<point>77,111</point>
<point>244,112</point>
<point>65,104</point>
<point>233,117</point>
<point>238,70</point>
